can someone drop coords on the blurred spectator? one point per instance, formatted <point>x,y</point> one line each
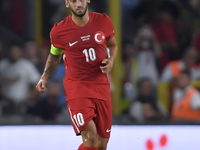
<point>127,21</point>
<point>12,14</point>
<point>140,60</point>
<point>196,42</point>
<point>164,28</point>
<point>59,75</point>
<point>186,100</point>
<point>42,55</point>
<point>144,11</point>
<point>31,52</point>
<point>148,50</point>
<point>18,76</point>
<point>128,60</point>
<point>47,108</point>
<point>1,51</point>
<point>130,65</point>
<point>59,13</point>
<point>173,69</point>
<point>145,106</point>
<point>193,15</point>
<point>190,22</point>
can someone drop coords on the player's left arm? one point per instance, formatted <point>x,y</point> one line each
<point>112,45</point>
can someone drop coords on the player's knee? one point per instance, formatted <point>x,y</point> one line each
<point>91,138</point>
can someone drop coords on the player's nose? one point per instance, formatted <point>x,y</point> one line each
<point>78,3</point>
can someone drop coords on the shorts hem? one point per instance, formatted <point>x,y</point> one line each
<point>86,123</point>
<point>103,136</point>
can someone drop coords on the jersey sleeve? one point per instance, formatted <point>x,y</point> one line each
<point>109,28</point>
<point>54,35</point>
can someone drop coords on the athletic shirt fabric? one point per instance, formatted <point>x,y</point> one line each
<point>84,50</point>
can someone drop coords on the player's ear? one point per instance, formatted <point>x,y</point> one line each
<point>67,3</point>
<point>88,1</point>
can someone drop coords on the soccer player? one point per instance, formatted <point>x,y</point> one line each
<point>82,39</point>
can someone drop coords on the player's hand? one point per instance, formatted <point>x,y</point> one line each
<point>107,67</point>
<point>41,86</point>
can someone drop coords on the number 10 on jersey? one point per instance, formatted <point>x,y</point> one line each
<point>90,54</point>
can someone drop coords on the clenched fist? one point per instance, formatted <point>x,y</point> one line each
<point>108,66</point>
<point>41,86</point>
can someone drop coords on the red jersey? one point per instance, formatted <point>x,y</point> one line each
<point>84,49</point>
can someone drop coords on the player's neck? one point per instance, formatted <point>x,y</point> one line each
<point>81,21</point>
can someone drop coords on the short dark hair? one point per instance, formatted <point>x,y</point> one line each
<point>186,72</point>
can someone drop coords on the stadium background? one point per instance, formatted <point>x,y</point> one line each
<point>149,33</point>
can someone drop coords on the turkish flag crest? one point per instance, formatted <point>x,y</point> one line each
<point>99,37</point>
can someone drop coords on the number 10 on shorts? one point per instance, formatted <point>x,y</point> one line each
<point>79,119</point>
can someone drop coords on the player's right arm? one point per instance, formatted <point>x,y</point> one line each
<point>52,63</point>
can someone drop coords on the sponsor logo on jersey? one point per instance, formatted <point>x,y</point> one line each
<point>71,44</point>
<point>85,38</point>
<point>99,37</point>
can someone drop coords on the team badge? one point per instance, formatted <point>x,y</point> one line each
<point>99,37</point>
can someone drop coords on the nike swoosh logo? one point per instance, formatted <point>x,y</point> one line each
<point>71,44</point>
<point>108,130</point>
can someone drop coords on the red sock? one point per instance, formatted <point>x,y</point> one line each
<point>81,147</point>
<point>90,148</point>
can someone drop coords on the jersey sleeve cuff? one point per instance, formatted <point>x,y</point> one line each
<point>56,51</point>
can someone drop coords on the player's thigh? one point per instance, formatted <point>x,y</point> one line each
<point>103,118</point>
<point>81,112</point>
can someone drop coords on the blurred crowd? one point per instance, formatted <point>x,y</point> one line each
<point>20,70</point>
<point>161,59</point>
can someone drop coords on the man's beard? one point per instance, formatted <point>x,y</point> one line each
<point>79,15</point>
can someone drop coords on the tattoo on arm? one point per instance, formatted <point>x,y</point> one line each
<point>52,63</point>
